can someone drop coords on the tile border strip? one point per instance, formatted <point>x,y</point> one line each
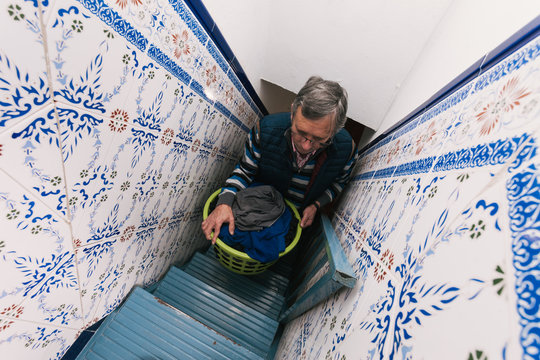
<point>480,67</point>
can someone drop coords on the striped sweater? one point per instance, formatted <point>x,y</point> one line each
<point>246,170</point>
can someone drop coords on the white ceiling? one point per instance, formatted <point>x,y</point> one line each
<point>369,46</point>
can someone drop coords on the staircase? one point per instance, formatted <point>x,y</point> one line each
<point>199,311</point>
<point>204,311</point>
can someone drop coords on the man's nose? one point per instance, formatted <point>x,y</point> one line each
<point>307,146</point>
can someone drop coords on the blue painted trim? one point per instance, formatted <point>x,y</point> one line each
<point>522,36</point>
<point>336,256</point>
<point>364,176</point>
<point>200,11</point>
<point>528,32</point>
<point>323,253</point>
<point>384,173</point>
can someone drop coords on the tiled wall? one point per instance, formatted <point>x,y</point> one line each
<point>117,119</point>
<point>442,226</point>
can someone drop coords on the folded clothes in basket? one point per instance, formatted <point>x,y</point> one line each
<point>257,207</point>
<point>261,223</point>
<point>263,245</point>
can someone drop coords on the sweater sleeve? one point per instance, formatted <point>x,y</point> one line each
<point>245,171</point>
<point>339,183</point>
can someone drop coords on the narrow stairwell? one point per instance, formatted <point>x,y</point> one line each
<point>199,311</point>
<point>204,311</point>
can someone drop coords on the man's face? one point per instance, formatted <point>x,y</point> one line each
<point>309,135</point>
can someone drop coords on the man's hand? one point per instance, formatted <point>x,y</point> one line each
<point>221,214</point>
<point>308,216</point>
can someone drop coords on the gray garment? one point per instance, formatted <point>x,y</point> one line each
<point>257,207</point>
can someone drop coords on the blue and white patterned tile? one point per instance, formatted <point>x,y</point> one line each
<point>27,340</point>
<point>159,100</point>
<point>245,110</point>
<point>324,331</point>
<point>25,87</point>
<point>93,65</point>
<point>349,200</point>
<point>521,277</point>
<point>374,308</point>
<point>30,154</point>
<point>88,140</point>
<point>424,143</point>
<point>232,143</point>
<point>189,119</point>
<point>400,145</point>
<point>363,169</point>
<point>379,159</point>
<point>428,212</point>
<point>475,246</point>
<point>127,176</point>
<point>37,252</point>
<point>175,38</point>
<point>505,104</point>
<point>372,220</point>
<point>109,269</point>
<point>183,40</point>
<point>189,236</point>
<point>234,98</point>
<point>351,203</point>
<point>165,237</point>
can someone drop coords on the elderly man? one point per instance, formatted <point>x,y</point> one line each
<point>306,155</point>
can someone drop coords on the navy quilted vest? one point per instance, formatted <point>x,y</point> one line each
<point>275,165</point>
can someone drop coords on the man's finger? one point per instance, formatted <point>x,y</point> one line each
<point>214,237</point>
<point>231,226</point>
<point>303,222</point>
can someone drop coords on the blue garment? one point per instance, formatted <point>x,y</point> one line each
<point>264,245</point>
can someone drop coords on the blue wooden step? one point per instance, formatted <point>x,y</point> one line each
<point>240,287</point>
<point>217,310</point>
<point>145,327</point>
<point>269,278</point>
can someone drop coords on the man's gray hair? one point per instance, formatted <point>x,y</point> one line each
<point>319,97</point>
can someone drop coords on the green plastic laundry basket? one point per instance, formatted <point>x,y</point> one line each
<point>240,262</point>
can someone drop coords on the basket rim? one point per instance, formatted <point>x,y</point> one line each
<point>241,254</point>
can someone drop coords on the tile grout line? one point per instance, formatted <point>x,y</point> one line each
<point>137,126</point>
<point>38,198</point>
<point>40,323</point>
<point>57,118</point>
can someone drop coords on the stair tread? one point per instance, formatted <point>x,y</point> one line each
<point>242,288</point>
<point>146,327</point>
<point>218,310</point>
<point>270,279</point>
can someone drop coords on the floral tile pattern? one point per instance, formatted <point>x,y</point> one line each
<point>27,340</point>
<point>441,223</point>
<point>113,134</point>
<point>31,150</point>
<point>25,87</point>
<point>36,251</point>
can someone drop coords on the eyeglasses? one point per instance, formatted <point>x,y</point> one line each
<point>314,143</point>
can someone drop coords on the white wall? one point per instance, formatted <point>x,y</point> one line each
<point>368,46</point>
<point>390,55</point>
<point>467,32</point>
